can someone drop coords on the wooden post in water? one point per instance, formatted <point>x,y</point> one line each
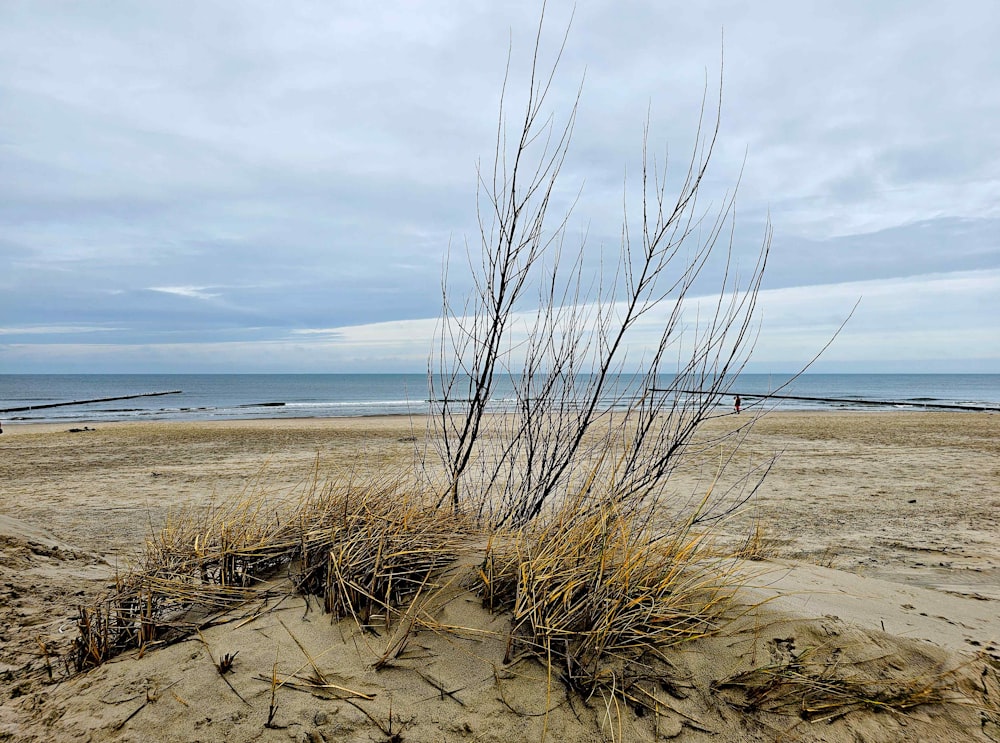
<point>853,401</point>
<point>86,402</point>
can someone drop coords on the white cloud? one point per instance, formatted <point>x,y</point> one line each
<point>57,329</point>
<point>913,320</point>
<point>931,317</point>
<point>193,292</point>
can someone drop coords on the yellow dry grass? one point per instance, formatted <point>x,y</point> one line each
<point>590,589</point>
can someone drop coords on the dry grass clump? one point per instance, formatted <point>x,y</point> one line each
<point>821,684</point>
<point>756,546</point>
<point>363,551</point>
<point>199,563</point>
<point>597,595</point>
<point>590,587</point>
<point>366,553</point>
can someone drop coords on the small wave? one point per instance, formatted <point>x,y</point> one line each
<point>351,404</point>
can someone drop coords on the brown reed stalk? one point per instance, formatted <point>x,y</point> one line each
<point>272,706</point>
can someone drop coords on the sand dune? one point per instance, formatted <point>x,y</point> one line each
<point>882,561</point>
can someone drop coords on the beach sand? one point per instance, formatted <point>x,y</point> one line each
<point>880,533</point>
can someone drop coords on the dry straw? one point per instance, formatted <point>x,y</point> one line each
<point>597,595</point>
<point>590,587</point>
<point>819,684</point>
<point>362,551</point>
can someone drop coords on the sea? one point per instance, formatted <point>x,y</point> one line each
<point>42,398</point>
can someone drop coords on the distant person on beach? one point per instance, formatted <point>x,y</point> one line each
<point>736,404</point>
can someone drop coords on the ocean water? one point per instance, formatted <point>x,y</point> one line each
<point>234,396</point>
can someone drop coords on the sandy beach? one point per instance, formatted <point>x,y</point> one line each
<point>879,529</point>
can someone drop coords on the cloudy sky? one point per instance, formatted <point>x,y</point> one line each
<point>259,186</point>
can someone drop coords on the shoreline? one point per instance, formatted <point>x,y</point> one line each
<point>747,412</point>
<point>50,426</point>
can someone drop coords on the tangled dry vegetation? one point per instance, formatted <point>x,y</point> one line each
<point>362,551</point>
<point>594,592</point>
<point>798,678</point>
<point>589,589</point>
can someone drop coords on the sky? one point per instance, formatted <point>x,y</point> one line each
<point>248,186</point>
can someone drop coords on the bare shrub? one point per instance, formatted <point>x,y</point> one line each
<point>560,340</point>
